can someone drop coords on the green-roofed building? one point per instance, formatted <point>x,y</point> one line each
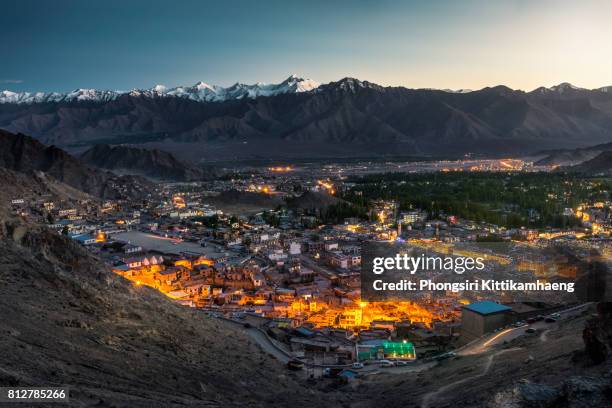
<point>382,349</point>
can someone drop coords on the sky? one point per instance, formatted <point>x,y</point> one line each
<point>62,45</point>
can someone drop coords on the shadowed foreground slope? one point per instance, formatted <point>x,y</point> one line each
<point>67,321</point>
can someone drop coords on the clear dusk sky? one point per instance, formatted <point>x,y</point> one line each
<point>59,45</point>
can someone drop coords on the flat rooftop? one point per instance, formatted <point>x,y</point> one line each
<point>152,242</point>
<point>487,307</point>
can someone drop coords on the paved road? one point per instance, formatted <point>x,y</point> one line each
<point>477,347</point>
<point>486,343</point>
<point>266,345</point>
<point>263,341</point>
<point>414,367</point>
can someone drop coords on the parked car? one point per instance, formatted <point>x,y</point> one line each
<point>332,372</point>
<point>386,363</point>
<point>445,356</point>
<point>295,365</point>
<point>550,319</point>
<point>357,365</point>
<point>530,330</point>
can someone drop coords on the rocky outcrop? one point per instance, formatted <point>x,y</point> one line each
<point>597,334</point>
<point>574,392</point>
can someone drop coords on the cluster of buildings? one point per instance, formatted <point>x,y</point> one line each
<point>297,280</point>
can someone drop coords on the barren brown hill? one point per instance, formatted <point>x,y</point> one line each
<point>26,155</point>
<point>151,163</point>
<point>598,165</point>
<point>313,200</point>
<point>68,321</point>
<point>240,202</point>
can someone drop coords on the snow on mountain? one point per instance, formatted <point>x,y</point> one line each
<point>561,89</point>
<point>348,85</point>
<point>39,97</point>
<point>564,87</point>
<point>199,92</point>
<point>460,91</point>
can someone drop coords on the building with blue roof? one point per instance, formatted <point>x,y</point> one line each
<point>480,318</point>
<point>84,239</point>
<point>487,307</point>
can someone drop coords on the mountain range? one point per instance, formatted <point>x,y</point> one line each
<point>201,92</point>
<point>298,119</point>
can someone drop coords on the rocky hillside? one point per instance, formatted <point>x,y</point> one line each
<point>244,202</point>
<point>72,322</point>
<point>347,118</point>
<point>313,200</point>
<point>598,165</point>
<point>26,155</point>
<point>19,185</point>
<point>570,157</point>
<point>150,163</point>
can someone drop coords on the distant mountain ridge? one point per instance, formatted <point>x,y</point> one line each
<point>600,165</point>
<point>203,92</point>
<point>151,163</point>
<point>23,154</point>
<point>200,91</point>
<point>568,157</point>
<point>347,118</point>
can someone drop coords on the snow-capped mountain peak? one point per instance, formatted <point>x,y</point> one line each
<point>564,87</point>
<point>200,91</point>
<point>349,84</point>
<point>202,85</point>
<point>458,91</point>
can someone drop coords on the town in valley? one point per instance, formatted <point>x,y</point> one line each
<point>276,249</point>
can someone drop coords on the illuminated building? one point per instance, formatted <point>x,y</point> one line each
<point>380,349</point>
<point>411,217</point>
<point>350,318</point>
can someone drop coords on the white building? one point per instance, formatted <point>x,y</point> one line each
<point>295,248</point>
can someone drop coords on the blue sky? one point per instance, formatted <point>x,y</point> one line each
<point>62,45</point>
